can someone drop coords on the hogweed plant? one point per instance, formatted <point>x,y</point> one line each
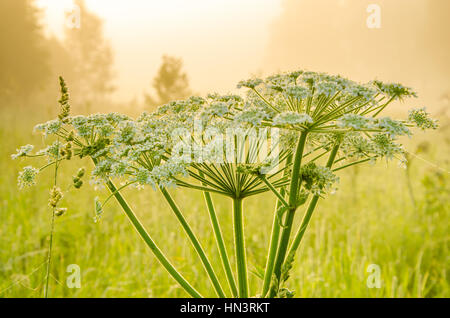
<point>289,135</point>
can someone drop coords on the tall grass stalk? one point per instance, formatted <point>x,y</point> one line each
<point>52,229</point>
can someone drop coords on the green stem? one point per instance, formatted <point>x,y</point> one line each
<point>274,240</point>
<point>239,243</point>
<point>52,226</point>
<point>198,248</point>
<point>148,240</point>
<point>279,195</point>
<point>220,243</point>
<point>293,192</point>
<point>352,164</point>
<point>49,257</point>
<point>265,100</point>
<point>384,106</point>
<point>312,205</point>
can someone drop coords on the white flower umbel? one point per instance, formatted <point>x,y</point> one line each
<point>226,145</point>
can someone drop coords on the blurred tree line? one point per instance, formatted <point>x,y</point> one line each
<point>30,61</point>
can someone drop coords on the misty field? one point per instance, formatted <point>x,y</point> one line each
<point>379,223</point>
<point>228,148</point>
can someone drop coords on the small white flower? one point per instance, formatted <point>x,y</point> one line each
<point>291,118</point>
<point>251,115</point>
<point>27,177</point>
<point>50,127</point>
<point>22,151</point>
<point>394,90</point>
<point>251,83</point>
<point>422,119</point>
<point>393,127</point>
<point>299,92</point>
<point>354,121</point>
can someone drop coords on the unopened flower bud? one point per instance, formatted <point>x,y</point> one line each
<point>70,136</point>
<point>78,184</point>
<point>60,211</point>
<point>55,196</point>
<point>81,172</point>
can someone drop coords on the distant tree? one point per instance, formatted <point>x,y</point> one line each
<point>24,67</point>
<point>170,83</point>
<point>90,73</point>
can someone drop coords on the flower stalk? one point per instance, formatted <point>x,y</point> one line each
<point>220,243</point>
<point>323,113</point>
<point>307,217</point>
<point>195,243</point>
<point>274,239</point>
<point>293,195</point>
<point>52,228</point>
<point>150,243</point>
<point>239,243</point>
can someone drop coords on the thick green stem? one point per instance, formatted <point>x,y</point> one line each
<point>307,217</point>
<point>148,240</point>
<point>274,240</point>
<point>305,221</point>
<point>239,243</point>
<point>293,194</point>
<point>198,248</point>
<point>220,243</point>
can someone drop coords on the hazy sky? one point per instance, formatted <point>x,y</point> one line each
<point>220,41</point>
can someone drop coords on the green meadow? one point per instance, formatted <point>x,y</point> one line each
<point>377,216</point>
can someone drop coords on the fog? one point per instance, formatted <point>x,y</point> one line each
<point>223,41</point>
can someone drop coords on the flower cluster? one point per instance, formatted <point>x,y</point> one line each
<point>251,115</point>
<point>355,121</point>
<point>251,83</point>
<point>384,146</point>
<point>146,150</point>
<point>27,177</point>
<point>22,151</point>
<point>422,119</point>
<point>292,118</point>
<point>392,127</point>
<point>380,145</point>
<point>294,99</point>
<point>55,196</point>
<point>77,182</point>
<point>394,90</point>
<point>220,144</point>
<point>317,179</point>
